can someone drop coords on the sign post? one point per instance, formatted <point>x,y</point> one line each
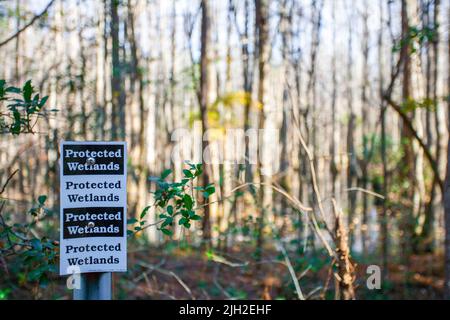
<point>94,286</point>
<point>93,215</point>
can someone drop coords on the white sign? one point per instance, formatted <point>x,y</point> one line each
<point>93,211</point>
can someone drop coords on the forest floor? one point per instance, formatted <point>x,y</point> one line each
<point>188,273</point>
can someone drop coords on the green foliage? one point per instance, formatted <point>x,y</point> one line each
<point>410,104</point>
<point>174,201</point>
<point>35,257</point>
<point>19,108</point>
<point>416,37</point>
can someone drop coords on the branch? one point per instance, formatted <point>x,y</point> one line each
<point>7,181</point>
<point>366,191</point>
<point>32,21</point>
<point>281,248</point>
<point>169,273</point>
<point>294,200</point>
<point>407,122</point>
<point>301,209</point>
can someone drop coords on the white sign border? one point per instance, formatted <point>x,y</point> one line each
<point>94,268</point>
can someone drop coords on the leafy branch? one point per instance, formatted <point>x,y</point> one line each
<point>174,202</point>
<point>19,108</point>
<point>37,256</point>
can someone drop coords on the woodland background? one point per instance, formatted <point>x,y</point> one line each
<point>358,92</point>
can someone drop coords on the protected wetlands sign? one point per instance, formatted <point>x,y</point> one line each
<point>93,207</point>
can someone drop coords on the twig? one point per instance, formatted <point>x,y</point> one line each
<point>149,290</point>
<point>169,273</point>
<point>309,295</point>
<point>220,259</point>
<point>366,191</point>
<point>35,18</point>
<point>138,278</point>
<point>407,122</point>
<point>281,248</point>
<point>280,190</point>
<point>314,180</point>
<point>217,284</point>
<point>329,276</point>
<point>304,272</point>
<point>7,180</point>
<point>300,207</point>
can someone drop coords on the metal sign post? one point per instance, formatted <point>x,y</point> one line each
<point>93,215</point>
<point>94,286</point>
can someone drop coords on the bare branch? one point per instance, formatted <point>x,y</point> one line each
<point>32,21</point>
<point>7,180</point>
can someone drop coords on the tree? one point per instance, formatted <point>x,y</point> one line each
<point>117,89</point>
<point>263,49</point>
<point>205,87</point>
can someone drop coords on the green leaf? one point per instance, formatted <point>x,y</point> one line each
<point>196,217</point>
<point>166,173</point>
<point>27,91</point>
<point>36,243</point>
<point>183,221</point>
<point>188,202</point>
<point>167,222</point>
<point>167,232</point>
<point>34,275</point>
<point>15,127</point>
<point>41,199</point>
<point>43,101</point>
<point>132,221</point>
<point>198,172</point>
<point>188,173</point>
<point>210,190</point>
<point>170,209</point>
<point>12,90</point>
<point>144,212</point>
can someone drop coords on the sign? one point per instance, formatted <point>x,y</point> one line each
<point>93,211</point>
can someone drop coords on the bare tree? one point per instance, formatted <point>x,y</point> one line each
<point>205,87</point>
<point>263,49</point>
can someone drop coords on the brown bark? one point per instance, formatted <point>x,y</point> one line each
<point>205,84</point>
<point>262,23</point>
<point>446,198</point>
<point>345,275</point>
<point>116,70</point>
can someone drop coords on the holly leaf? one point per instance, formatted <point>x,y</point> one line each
<point>188,202</point>
<point>41,199</point>
<point>167,232</point>
<point>166,173</point>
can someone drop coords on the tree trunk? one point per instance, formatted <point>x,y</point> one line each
<point>116,70</point>
<point>447,226</point>
<point>262,23</point>
<point>407,173</point>
<point>352,169</point>
<point>446,196</point>
<point>205,83</point>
